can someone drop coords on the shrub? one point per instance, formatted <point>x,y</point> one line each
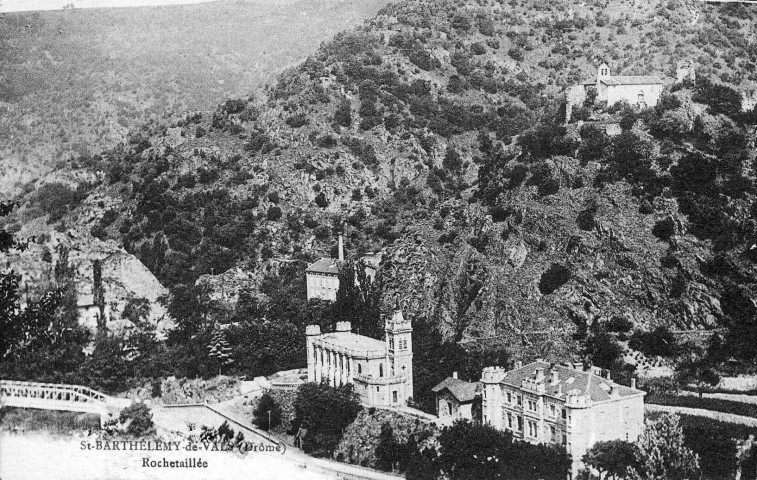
<point>555,277</point>
<point>664,229</point>
<point>619,324</point>
<point>297,120</point>
<point>485,26</point>
<point>274,213</point>
<point>516,53</point>
<point>478,48</point>
<point>321,200</point>
<point>461,21</point>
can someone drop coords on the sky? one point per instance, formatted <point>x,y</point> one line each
<point>34,5</point>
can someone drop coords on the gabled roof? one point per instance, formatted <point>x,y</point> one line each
<point>569,381</point>
<point>325,265</point>
<point>462,391</point>
<point>631,80</point>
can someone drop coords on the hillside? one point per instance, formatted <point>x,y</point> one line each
<point>435,132</point>
<point>73,82</point>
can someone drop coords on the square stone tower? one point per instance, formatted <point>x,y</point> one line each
<point>399,348</point>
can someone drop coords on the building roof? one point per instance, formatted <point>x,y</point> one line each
<point>352,344</point>
<point>631,80</point>
<point>461,390</point>
<point>329,266</point>
<point>569,381</point>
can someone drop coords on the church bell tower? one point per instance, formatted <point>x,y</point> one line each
<point>399,339</point>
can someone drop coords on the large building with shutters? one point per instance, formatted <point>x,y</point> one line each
<point>562,404</point>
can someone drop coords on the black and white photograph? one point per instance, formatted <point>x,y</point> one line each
<point>378,239</point>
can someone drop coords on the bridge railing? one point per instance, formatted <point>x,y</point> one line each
<point>51,391</point>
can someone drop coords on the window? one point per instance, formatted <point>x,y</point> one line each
<point>520,423</point>
<point>532,429</point>
<point>394,396</point>
<point>509,397</point>
<point>532,405</point>
<point>510,420</point>
<point>552,410</point>
<point>359,369</point>
<point>381,369</point>
<point>391,343</point>
<point>564,414</point>
<point>403,344</point>
<point>520,400</point>
<point>564,439</point>
<point>449,408</point>
<point>552,433</point>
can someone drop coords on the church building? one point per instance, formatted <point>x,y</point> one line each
<point>380,370</point>
<point>639,90</point>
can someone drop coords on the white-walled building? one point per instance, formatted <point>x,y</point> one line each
<point>548,403</point>
<point>640,90</point>
<point>381,371</point>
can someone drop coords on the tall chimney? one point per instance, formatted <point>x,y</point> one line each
<point>633,383</point>
<point>454,375</point>
<point>341,248</point>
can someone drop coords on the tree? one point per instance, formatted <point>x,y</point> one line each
<point>390,454</point>
<point>452,162</point>
<point>43,340</point>
<point>189,305</point>
<point>612,457</point>
<point>602,348</point>
<point>343,114</point>
<point>324,412</point>
<point>107,368</point>
<point>267,408</point>
<point>468,452</point>
<point>697,372</point>
<point>358,300</point>
<point>662,453</point>
<point>140,419</point>
<point>219,349</point>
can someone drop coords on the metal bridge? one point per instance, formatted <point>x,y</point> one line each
<point>55,396</point>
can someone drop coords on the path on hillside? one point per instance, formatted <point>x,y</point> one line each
<point>700,412</point>
<point>214,414</point>
<point>732,397</point>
